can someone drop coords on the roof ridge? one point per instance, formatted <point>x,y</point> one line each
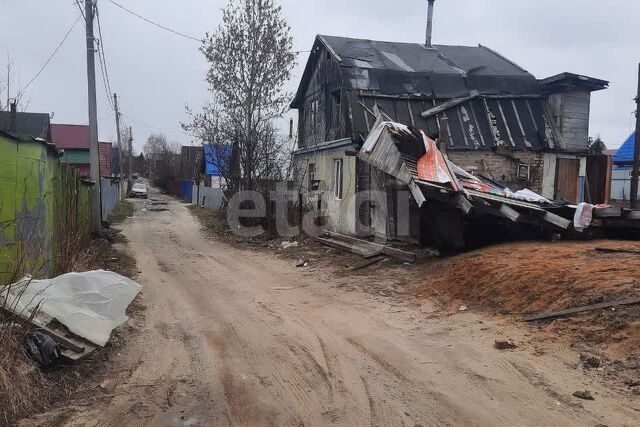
<point>503,57</point>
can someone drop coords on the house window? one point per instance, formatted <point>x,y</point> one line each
<point>337,178</point>
<point>314,116</point>
<point>524,171</point>
<point>313,183</point>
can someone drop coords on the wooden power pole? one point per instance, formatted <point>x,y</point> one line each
<point>115,104</point>
<point>636,153</point>
<point>94,154</point>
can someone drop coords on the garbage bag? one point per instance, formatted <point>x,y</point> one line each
<point>42,349</point>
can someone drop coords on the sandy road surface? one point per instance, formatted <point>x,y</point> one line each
<point>242,338</point>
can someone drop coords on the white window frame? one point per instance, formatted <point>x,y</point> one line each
<point>526,168</point>
<point>337,178</point>
<point>312,175</point>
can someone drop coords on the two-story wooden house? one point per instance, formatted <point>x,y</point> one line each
<point>490,115</point>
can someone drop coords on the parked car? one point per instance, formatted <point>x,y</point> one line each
<point>138,190</point>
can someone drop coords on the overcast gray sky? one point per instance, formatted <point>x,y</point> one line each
<point>157,73</point>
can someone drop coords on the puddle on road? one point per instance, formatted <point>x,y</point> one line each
<point>158,210</point>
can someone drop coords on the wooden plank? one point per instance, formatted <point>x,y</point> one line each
<point>447,105</point>
<point>618,251</point>
<point>576,310</point>
<point>365,253</point>
<point>462,203</point>
<point>377,247</point>
<point>509,213</point>
<point>64,342</point>
<point>366,263</point>
<point>556,220</point>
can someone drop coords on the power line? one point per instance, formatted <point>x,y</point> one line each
<point>103,63</point>
<point>298,52</point>
<point>155,23</point>
<point>50,58</point>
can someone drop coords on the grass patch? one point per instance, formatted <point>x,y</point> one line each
<point>122,211</point>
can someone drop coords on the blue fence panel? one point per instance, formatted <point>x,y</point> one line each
<point>186,190</point>
<point>110,195</point>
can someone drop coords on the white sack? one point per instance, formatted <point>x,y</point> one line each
<point>90,304</point>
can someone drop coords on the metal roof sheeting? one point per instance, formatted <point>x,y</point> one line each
<point>35,125</point>
<point>479,123</point>
<point>624,154</point>
<point>70,136</point>
<point>412,68</point>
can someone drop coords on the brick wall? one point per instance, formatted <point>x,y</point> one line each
<point>503,167</point>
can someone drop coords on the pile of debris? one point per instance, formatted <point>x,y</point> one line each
<point>72,314</point>
<point>451,198</point>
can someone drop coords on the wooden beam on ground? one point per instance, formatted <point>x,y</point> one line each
<point>576,310</point>
<point>377,248</point>
<point>366,263</point>
<point>618,251</point>
<point>344,246</point>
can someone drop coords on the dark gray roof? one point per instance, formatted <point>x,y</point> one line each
<point>32,124</point>
<point>28,138</point>
<point>441,71</point>
<point>569,81</point>
<point>480,122</point>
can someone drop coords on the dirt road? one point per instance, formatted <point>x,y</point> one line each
<point>235,337</point>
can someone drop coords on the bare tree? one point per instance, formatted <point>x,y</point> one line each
<point>9,88</point>
<point>164,160</point>
<point>251,59</point>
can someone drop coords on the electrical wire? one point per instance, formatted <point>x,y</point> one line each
<point>49,59</point>
<point>155,23</point>
<point>103,63</point>
<point>172,30</point>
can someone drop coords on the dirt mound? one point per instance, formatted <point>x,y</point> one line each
<point>535,276</point>
<point>532,277</point>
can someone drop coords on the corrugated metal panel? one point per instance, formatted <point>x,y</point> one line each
<point>75,156</point>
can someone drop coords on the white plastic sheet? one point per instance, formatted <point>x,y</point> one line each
<point>91,304</point>
<point>583,216</point>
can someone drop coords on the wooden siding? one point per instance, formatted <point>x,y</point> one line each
<point>571,115</point>
<point>325,110</point>
<point>567,171</point>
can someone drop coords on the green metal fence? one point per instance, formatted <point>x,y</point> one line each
<point>44,207</point>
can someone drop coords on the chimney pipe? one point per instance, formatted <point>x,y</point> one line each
<point>429,22</point>
<point>14,113</point>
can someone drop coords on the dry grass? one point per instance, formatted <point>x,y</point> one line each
<point>23,387</point>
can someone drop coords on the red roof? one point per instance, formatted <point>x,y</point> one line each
<point>105,159</point>
<point>70,136</point>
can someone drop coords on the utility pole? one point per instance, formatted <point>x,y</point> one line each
<point>636,153</point>
<point>115,104</point>
<point>94,155</point>
<point>130,152</point>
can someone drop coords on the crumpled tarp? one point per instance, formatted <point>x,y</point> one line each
<point>91,304</point>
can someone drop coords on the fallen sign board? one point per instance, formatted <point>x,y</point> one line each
<point>576,310</point>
